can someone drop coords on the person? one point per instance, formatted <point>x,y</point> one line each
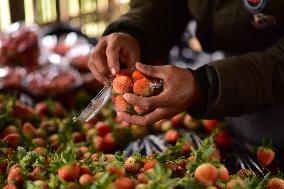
<point>249,80</point>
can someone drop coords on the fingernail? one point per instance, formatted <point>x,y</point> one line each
<point>118,114</point>
<point>126,96</point>
<point>113,71</point>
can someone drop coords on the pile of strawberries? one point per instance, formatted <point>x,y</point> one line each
<point>136,83</point>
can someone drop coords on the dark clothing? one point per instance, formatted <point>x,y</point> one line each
<point>252,79</point>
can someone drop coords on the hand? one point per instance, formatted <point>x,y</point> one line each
<point>112,52</point>
<point>180,92</point>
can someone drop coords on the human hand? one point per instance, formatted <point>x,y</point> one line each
<point>111,53</point>
<point>180,91</point>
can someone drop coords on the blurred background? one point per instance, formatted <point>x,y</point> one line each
<point>91,16</point>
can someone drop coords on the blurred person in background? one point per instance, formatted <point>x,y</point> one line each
<point>247,87</point>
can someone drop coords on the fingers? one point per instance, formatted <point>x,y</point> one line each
<point>148,119</point>
<point>112,53</point>
<point>149,103</point>
<point>152,71</point>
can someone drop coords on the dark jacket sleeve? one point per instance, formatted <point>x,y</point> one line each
<point>247,83</point>
<point>157,24</point>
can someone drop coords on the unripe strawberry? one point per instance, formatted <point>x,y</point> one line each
<point>41,184</point>
<point>133,164</point>
<point>223,173</point>
<point>36,174</point>
<point>245,173</point>
<point>139,110</point>
<point>13,140</point>
<point>114,170</point>
<point>172,136</point>
<point>10,186</point>
<point>275,183</point>
<point>142,178</point>
<point>122,85</point>
<point>136,75</point>
<point>109,157</point>
<point>265,156</point>
<point>121,105</point>
<point>190,123</point>
<point>142,87</point>
<point>69,173</point>
<point>102,129</point>
<point>206,174</point>
<point>124,183</point>
<point>15,175</point>
<point>236,183</point>
<point>86,179</point>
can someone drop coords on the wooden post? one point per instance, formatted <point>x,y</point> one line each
<point>17,10</point>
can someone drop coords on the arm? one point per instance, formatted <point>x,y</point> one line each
<point>247,83</point>
<point>157,24</point>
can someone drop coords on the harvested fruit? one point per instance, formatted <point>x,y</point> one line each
<point>142,87</point>
<point>136,75</point>
<point>86,179</point>
<point>122,85</point>
<point>236,183</point>
<point>15,175</point>
<point>223,173</point>
<point>265,155</point>
<point>69,173</point>
<point>121,104</point>
<point>275,183</point>
<point>133,164</point>
<point>206,174</point>
<point>210,125</point>
<point>124,183</point>
<point>102,128</point>
<point>172,136</point>
<point>139,110</point>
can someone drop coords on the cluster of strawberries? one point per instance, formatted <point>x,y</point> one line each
<point>136,83</point>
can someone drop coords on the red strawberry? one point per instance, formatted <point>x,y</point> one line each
<point>206,174</point>
<point>86,179</point>
<point>265,155</point>
<point>21,111</point>
<point>109,157</point>
<point>85,170</point>
<point>121,105</point>
<point>69,173</point>
<point>133,164</point>
<point>109,143</point>
<point>124,183</point>
<point>177,120</point>
<point>236,183</point>
<point>223,138</point>
<point>136,75</point>
<point>98,143</point>
<point>38,141</point>
<point>78,137</point>
<point>186,147</point>
<point>149,164</point>
<point>142,87</point>
<point>3,166</point>
<point>102,128</point>
<point>275,183</point>
<point>41,150</point>
<point>12,140</point>
<point>10,186</point>
<point>15,175</point>
<point>8,130</point>
<point>36,174</point>
<point>41,184</point>
<point>29,130</point>
<point>122,85</point>
<point>142,178</point>
<point>210,125</point>
<point>223,173</point>
<point>172,136</point>
<point>114,170</point>
<point>41,108</point>
<point>59,110</point>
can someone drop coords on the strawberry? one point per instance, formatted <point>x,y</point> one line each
<point>40,150</point>
<point>109,157</point>
<point>86,179</point>
<point>133,164</point>
<point>3,166</point>
<point>10,186</point>
<point>166,125</point>
<point>122,85</point>
<point>177,120</point>
<point>142,178</point>
<point>78,137</point>
<point>59,110</point>
<point>142,87</point>
<point>186,147</point>
<point>85,170</point>
<point>29,130</point>
<point>41,184</point>
<point>122,105</point>
<point>41,108</point>
<point>236,183</point>
<point>13,140</point>
<point>114,170</point>
<point>36,174</point>
<point>275,183</point>
<point>265,155</point>
<point>149,164</point>
<point>190,123</point>
<point>15,175</point>
<point>98,143</point>
<point>245,173</point>
<point>215,154</point>
<point>210,125</point>
<point>124,183</point>
<point>69,173</point>
<point>206,173</point>
<point>136,75</point>
<point>8,130</point>
<point>102,128</point>
<point>139,110</point>
<point>223,173</point>
<point>38,141</point>
<point>138,131</point>
<point>109,143</point>
<point>223,138</point>
<point>172,136</point>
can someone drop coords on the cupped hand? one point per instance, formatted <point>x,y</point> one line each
<point>113,52</point>
<point>180,91</point>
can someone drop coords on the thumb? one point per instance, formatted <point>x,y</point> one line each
<point>151,71</point>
